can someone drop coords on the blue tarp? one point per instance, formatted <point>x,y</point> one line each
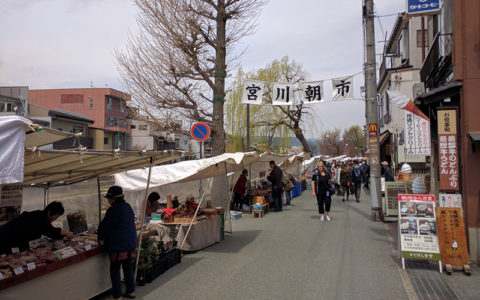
<point>297,190</point>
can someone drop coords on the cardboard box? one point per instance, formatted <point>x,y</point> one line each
<point>259,200</point>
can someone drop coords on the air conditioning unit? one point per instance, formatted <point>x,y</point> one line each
<point>397,63</point>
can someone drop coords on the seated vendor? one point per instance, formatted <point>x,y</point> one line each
<point>152,203</point>
<point>31,226</point>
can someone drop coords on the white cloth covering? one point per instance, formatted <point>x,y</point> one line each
<point>12,141</point>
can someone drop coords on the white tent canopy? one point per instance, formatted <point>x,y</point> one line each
<point>185,171</point>
<point>262,163</point>
<point>310,164</point>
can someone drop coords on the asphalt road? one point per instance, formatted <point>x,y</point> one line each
<point>291,255</point>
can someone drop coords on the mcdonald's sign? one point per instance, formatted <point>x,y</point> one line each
<point>373,130</point>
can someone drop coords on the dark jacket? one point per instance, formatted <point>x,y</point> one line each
<point>354,178</point>
<point>241,186</point>
<point>275,178</point>
<point>345,177</point>
<point>388,174</point>
<point>24,228</point>
<point>322,183</point>
<point>117,229</point>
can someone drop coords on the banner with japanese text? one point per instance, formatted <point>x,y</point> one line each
<point>283,93</point>
<point>342,88</point>
<point>417,135</point>
<point>448,150</point>
<point>311,92</point>
<point>253,92</point>
<point>418,227</point>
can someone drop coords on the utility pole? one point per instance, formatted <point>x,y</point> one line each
<point>371,110</point>
<point>248,128</point>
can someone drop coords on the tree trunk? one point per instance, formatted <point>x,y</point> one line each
<point>302,139</point>
<point>218,131</point>
<point>218,193</point>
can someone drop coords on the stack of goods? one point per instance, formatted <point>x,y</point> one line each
<point>44,252</point>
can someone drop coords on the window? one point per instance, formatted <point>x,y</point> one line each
<point>177,143</point>
<point>419,38</point>
<point>111,121</point>
<point>122,106</point>
<point>9,107</point>
<point>400,46</point>
<point>109,103</point>
<point>133,126</point>
<point>105,140</point>
<point>91,102</point>
<point>76,129</point>
<point>142,127</point>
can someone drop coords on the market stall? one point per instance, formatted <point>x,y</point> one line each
<point>69,265</point>
<point>164,177</point>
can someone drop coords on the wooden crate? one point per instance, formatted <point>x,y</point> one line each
<point>259,199</point>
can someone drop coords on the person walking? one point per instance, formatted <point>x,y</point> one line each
<point>118,231</point>
<point>321,191</point>
<point>366,175</point>
<point>239,190</point>
<point>387,172</point>
<point>346,181</point>
<point>356,180</point>
<point>275,178</point>
<point>288,189</point>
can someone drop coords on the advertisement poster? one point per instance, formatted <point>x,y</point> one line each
<point>418,227</point>
<point>392,190</point>
<point>452,236</point>
<point>447,150</point>
<point>417,135</point>
<point>450,200</point>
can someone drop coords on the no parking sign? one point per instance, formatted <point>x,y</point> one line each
<point>200,131</point>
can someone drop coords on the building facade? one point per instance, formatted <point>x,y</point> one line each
<point>451,74</point>
<point>399,71</point>
<point>105,106</point>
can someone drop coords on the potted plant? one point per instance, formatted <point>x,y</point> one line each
<point>161,242</point>
<point>144,265</point>
<point>172,234</point>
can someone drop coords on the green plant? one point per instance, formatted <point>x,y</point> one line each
<point>172,234</point>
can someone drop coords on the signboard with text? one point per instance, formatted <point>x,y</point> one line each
<point>423,6</point>
<point>447,150</point>
<point>452,236</point>
<point>450,200</point>
<point>418,227</point>
<point>392,190</point>
<point>417,135</point>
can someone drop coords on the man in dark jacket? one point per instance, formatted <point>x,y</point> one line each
<point>275,178</point>
<point>117,230</point>
<point>240,189</point>
<point>31,226</point>
<point>387,172</point>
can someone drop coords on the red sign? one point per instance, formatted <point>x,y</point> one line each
<point>416,197</point>
<point>200,131</point>
<point>373,130</point>
<point>448,150</point>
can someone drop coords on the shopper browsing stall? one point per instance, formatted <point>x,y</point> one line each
<point>31,226</point>
<point>117,230</point>
<point>240,189</point>
<point>275,178</point>
<point>152,203</point>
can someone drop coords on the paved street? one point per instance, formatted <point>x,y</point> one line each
<point>291,255</point>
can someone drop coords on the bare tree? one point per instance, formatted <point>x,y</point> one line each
<point>331,143</point>
<point>354,139</point>
<point>176,65</point>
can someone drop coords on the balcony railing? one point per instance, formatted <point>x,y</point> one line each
<point>392,62</point>
<point>438,60</point>
<point>116,123</point>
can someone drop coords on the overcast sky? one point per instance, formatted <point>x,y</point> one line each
<point>70,43</point>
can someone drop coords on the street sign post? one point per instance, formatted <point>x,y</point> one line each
<point>200,131</point>
<point>423,6</point>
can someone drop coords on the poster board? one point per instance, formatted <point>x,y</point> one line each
<point>448,150</point>
<point>392,190</point>
<point>418,227</point>
<point>450,200</point>
<point>452,236</point>
<point>417,135</point>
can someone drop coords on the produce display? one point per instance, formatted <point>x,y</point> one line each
<point>44,252</point>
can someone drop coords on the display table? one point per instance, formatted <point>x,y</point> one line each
<point>82,280</point>
<point>203,233</point>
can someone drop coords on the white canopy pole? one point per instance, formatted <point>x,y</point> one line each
<point>143,217</point>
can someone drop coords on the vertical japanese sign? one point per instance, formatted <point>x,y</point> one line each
<point>448,154</point>
<point>452,236</point>
<point>450,200</point>
<point>311,92</point>
<point>342,88</point>
<point>417,135</point>
<point>283,94</point>
<point>418,227</point>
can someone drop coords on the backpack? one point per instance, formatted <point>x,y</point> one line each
<point>356,174</point>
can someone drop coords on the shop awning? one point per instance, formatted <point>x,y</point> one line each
<point>474,135</point>
<point>185,171</point>
<point>44,136</point>
<point>60,167</point>
<point>384,136</point>
<point>440,93</point>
